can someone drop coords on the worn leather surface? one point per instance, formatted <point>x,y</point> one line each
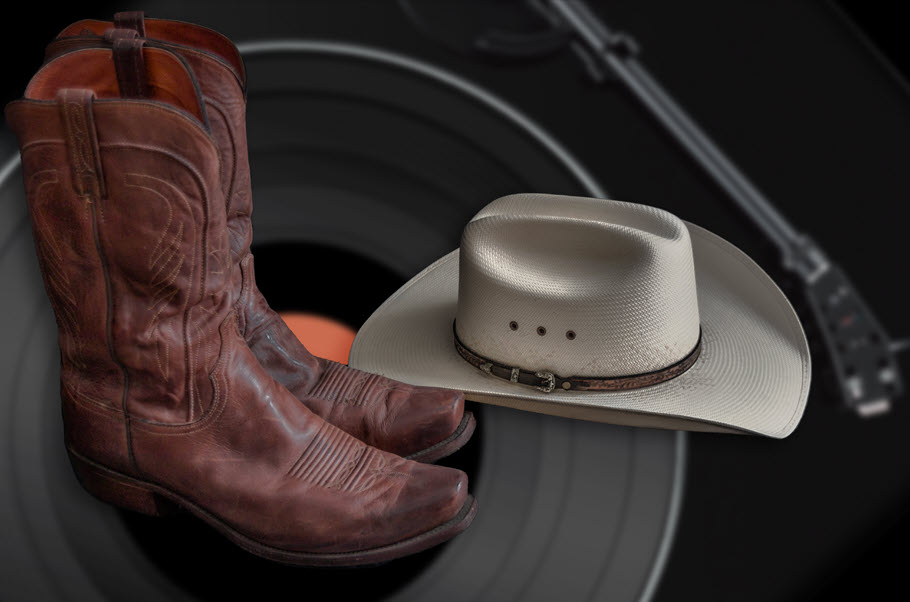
<point>393,416</point>
<point>127,205</point>
<point>98,73</point>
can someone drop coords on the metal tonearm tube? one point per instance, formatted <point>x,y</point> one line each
<point>862,354</point>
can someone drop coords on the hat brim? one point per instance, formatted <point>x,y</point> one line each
<point>752,375</point>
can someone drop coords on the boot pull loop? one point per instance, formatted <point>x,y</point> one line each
<point>112,34</point>
<point>75,107</point>
<point>133,19</point>
<point>130,66</point>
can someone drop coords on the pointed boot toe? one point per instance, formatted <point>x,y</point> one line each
<point>430,423</point>
<point>440,489</point>
<point>435,500</point>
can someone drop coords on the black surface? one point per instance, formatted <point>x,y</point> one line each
<point>348,300</point>
<point>821,124</point>
<point>36,23</point>
<point>882,29</point>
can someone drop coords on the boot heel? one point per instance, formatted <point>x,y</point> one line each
<point>120,491</point>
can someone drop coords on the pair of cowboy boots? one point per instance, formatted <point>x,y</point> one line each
<point>181,388</point>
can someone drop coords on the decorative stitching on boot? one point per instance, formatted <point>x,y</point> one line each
<point>336,460</point>
<point>165,263</point>
<point>376,468</point>
<point>340,384</point>
<point>50,258</point>
<point>85,160</point>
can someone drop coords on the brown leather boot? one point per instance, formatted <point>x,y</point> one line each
<point>421,423</point>
<point>164,403</point>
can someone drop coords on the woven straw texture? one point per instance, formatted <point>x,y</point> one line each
<point>619,289</point>
<point>617,277</point>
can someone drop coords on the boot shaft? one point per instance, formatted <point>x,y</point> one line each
<point>220,73</point>
<point>127,213</point>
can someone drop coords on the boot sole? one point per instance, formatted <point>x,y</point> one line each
<point>450,444</point>
<point>147,498</point>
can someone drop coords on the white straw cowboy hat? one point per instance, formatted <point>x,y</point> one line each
<point>598,310</point>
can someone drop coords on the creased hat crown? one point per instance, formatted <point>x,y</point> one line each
<point>577,286</point>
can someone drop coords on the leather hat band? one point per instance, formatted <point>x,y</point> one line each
<point>547,381</point>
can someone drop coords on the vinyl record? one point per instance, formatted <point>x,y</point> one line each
<point>366,165</point>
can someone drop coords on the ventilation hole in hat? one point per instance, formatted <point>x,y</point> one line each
<point>513,325</point>
<point>570,334</point>
<point>541,330</point>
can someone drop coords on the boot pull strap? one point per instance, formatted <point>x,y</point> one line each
<point>112,34</point>
<point>133,19</point>
<point>75,107</point>
<point>129,63</point>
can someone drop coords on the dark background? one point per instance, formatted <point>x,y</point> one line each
<point>811,100</point>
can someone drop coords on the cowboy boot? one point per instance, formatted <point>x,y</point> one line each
<point>164,404</point>
<point>421,423</point>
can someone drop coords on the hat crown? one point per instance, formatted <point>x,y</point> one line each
<point>577,286</point>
